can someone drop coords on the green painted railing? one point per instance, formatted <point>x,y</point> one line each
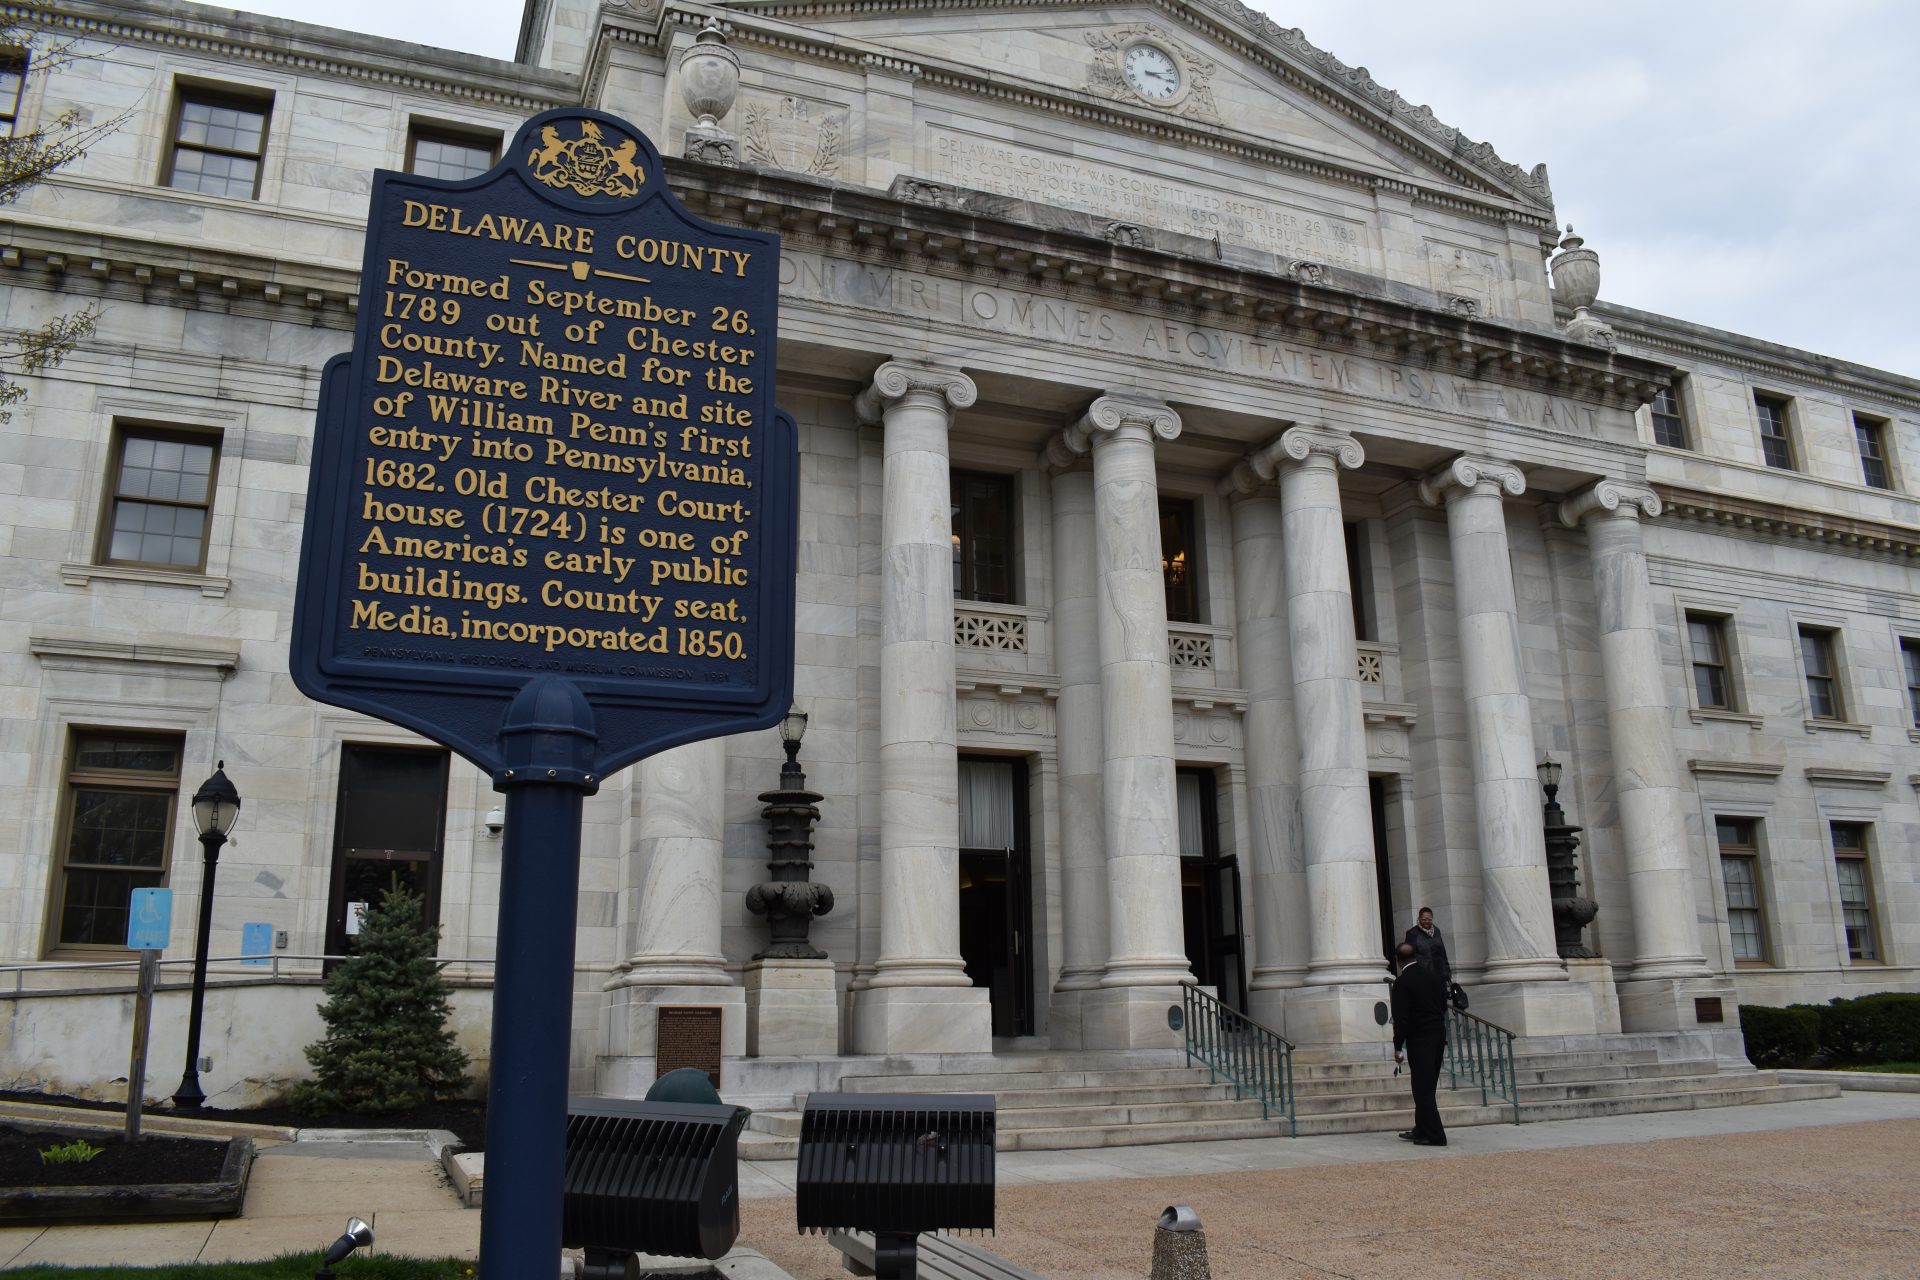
<point>1254,1059</point>
<point>1483,1054</point>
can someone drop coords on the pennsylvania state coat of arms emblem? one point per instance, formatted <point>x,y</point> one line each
<point>589,165</point>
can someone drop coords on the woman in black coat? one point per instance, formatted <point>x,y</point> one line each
<point>1429,945</point>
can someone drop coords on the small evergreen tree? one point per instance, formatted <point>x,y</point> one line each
<point>387,1046</point>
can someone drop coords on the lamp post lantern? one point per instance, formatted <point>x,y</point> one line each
<point>215,807</point>
<point>1571,912</point>
<point>790,900</point>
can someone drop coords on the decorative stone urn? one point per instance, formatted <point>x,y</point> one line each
<point>709,83</point>
<point>1576,282</point>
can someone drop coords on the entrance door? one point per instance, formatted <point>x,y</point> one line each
<point>1389,940</point>
<point>387,832</point>
<point>1209,891</point>
<point>996,889</point>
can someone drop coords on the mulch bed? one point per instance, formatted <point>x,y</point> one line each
<point>467,1120</point>
<point>153,1159</point>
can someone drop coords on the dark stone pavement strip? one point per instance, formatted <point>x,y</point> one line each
<point>1811,1202</point>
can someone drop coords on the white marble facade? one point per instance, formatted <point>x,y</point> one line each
<point>1305,313</point>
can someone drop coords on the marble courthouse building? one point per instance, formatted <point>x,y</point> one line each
<point>1211,515</point>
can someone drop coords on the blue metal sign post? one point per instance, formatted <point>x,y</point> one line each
<point>551,525</point>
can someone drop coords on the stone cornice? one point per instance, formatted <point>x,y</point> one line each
<point>1464,475</point>
<point>89,651</point>
<point>1788,366</point>
<point>1767,521</point>
<point>304,48</point>
<point>1609,497</point>
<point>985,240</point>
<point>1285,52</point>
<point>1755,770</point>
<point>1835,776</point>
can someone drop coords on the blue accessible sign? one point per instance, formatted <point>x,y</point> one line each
<point>554,452</point>
<point>149,919</point>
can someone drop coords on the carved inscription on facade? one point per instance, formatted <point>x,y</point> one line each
<point>988,164</point>
<point>1006,312</point>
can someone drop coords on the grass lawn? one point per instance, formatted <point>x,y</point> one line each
<point>292,1266</point>
<point>1892,1068</point>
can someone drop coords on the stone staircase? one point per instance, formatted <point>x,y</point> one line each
<point>1072,1101</point>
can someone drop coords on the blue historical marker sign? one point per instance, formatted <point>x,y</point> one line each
<point>554,452</point>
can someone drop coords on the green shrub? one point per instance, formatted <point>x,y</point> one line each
<point>1787,1037</point>
<point>1884,1027</point>
<point>387,1045</point>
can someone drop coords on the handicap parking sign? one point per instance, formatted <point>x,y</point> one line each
<point>149,919</point>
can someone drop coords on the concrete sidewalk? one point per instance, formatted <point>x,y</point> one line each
<point>1796,1172</point>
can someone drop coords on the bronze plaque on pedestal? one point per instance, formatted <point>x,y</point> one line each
<point>688,1036</point>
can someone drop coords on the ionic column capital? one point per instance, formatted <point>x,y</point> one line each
<point>1466,475</point>
<point>1610,498</point>
<point>1110,417</point>
<point>1302,444</point>
<point>896,381</point>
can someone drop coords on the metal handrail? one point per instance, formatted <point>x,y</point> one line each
<point>255,968</point>
<point>1482,1052</point>
<point>1254,1059</point>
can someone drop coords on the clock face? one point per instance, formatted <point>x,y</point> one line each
<point>1151,72</point>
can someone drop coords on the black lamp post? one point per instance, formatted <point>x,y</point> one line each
<point>215,806</point>
<point>790,900</point>
<point>1571,912</point>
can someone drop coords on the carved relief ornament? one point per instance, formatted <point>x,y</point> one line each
<point>1107,77</point>
<point>782,134</point>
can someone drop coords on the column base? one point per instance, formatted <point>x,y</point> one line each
<point>1268,1006</point>
<point>1669,1004</point>
<point>1066,1018</point>
<point>792,1010</point>
<point>1347,1013</point>
<point>1551,1008</point>
<point>922,1020</point>
<point>1596,976</point>
<point>630,1017</point>
<point>1130,1018</point>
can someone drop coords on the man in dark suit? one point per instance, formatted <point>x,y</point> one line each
<point>1420,1040</point>
<point>1429,945</point>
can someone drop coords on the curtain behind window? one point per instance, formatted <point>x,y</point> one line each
<point>986,804</point>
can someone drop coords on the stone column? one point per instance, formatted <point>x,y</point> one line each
<point>919,999</point>
<point>1668,965</point>
<point>1277,883</point>
<point>676,958</point>
<point>1146,944</point>
<point>1521,956</point>
<point>1076,648</point>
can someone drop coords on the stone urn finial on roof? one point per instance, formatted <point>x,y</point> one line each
<point>709,83</point>
<point>1576,283</point>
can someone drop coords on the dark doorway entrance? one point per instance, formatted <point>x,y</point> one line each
<point>996,889</point>
<point>1209,891</point>
<point>387,830</point>
<point>1389,939</point>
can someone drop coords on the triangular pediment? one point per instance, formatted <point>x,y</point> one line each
<point>1233,72</point>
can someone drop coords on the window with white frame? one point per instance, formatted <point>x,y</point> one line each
<point>1856,892</point>
<point>1740,876</point>
<point>1669,420</point>
<point>1822,671</point>
<point>219,140</point>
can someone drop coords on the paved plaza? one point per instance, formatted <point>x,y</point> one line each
<point>1809,1189</point>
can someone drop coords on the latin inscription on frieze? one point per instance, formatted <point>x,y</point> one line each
<point>987,164</point>
<point>1006,313</point>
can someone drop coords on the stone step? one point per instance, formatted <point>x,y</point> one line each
<point>1571,1090</point>
<point>994,1082</point>
<point>1069,1115</point>
<point>1644,1104</point>
<point>1194,1091</point>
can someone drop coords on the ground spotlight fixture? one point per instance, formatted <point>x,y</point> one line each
<point>359,1236</point>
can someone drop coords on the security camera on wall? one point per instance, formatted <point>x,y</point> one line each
<point>496,821</point>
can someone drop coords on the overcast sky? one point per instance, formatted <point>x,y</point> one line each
<point>1747,164</point>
